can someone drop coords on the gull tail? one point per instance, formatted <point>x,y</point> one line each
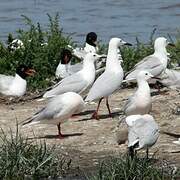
<point>32,120</point>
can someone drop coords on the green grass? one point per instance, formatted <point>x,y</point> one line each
<point>21,158</point>
<point>124,168</point>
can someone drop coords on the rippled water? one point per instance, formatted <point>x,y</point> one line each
<point>122,18</point>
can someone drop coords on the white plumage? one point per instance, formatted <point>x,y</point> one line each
<point>140,101</point>
<point>58,110</point>
<point>155,63</point>
<point>77,82</point>
<point>111,79</point>
<point>143,132</point>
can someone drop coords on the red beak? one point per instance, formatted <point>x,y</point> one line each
<point>30,72</point>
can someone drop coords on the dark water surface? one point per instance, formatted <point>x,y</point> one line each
<point>122,18</point>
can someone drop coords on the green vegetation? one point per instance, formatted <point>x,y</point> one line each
<point>124,168</point>
<point>44,58</point>
<point>21,158</point>
<point>42,49</point>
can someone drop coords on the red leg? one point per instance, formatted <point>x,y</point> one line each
<point>95,114</point>
<point>109,110</point>
<point>59,131</point>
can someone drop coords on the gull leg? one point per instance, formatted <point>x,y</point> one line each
<point>59,131</point>
<point>147,153</point>
<point>109,110</point>
<point>95,114</point>
<point>131,152</point>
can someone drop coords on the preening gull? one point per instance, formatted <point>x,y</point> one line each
<point>140,101</point>
<point>58,110</point>
<point>111,79</point>
<point>143,132</point>
<point>77,82</point>
<point>155,63</point>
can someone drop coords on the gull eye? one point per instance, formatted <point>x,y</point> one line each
<point>146,74</point>
<point>94,55</point>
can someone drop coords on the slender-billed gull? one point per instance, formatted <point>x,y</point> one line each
<point>77,82</point>
<point>171,78</point>
<point>143,132</point>
<point>58,110</point>
<point>140,101</point>
<point>15,85</point>
<point>111,79</point>
<point>155,63</point>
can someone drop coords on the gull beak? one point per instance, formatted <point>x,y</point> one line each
<point>128,44</point>
<point>30,72</point>
<point>171,44</point>
<point>155,78</point>
<point>103,56</point>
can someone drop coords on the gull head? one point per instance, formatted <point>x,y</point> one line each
<point>92,57</point>
<point>144,75</point>
<point>161,43</point>
<point>91,39</point>
<point>66,56</point>
<point>117,42</point>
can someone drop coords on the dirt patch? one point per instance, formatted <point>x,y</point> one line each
<point>98,140</point>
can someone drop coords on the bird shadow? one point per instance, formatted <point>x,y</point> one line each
<point>155,93</point>
<point>103,116</point>
<point>57,136</point>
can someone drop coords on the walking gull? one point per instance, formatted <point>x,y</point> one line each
<point>155,63</point>
<point>111,79</point>
<point>58,110</point>
<point>143,132</point>
<point>77,82</point>
<point>140,101</point>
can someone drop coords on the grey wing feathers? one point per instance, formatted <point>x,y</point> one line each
<point>150,63</point>
<point>75,68</point>
<point>51,110</point>
<point>103,86</point>
<point>30,119</point>
<point>129,102</point>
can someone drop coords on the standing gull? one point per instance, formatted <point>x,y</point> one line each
<point>155,63</point>
<point>58,110</point>
<point>111,79</point>
<point>143,132</point>
<point>77,82</point>
<point>140,101</point>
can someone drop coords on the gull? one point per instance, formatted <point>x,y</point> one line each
<point>155,63</point>
<point>77,82</point>
<point>140,101</point>
<point>143,132</point>
<point>90,46</point>
<point>15,85</point>
<point>111,79</point>
<point>170,78</point>
<point>63,68</point>
<point>58,110</point>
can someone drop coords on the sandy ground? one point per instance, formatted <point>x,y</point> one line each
<point>98,140</point>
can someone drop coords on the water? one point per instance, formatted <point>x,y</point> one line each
<point>108,18</point>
